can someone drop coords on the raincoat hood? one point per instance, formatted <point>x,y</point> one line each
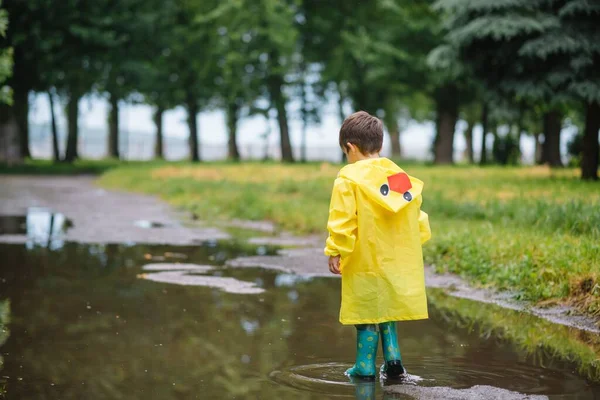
<point>385,183</point>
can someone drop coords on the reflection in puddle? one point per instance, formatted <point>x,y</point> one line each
<point>40,225</point>
<point>187,274</point>
<point>83,326</point>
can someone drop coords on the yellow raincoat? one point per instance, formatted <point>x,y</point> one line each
<point>377,227</point>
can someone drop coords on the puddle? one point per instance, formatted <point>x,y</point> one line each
<point>146,224</point>
<point>82,324</point>
<point>39,225</point>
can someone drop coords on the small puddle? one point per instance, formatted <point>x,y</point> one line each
<point>134,321</point>
<point>38,224</point>
<point>146,224</point>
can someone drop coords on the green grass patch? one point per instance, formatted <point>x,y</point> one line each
<point>531,230</point>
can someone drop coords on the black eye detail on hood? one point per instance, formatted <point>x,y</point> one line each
<point>384,189</point>
<point>407,196</point>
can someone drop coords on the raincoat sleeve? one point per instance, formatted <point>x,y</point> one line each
<point>424,226</point>
<point>342,223</point>
<point>423,223</point>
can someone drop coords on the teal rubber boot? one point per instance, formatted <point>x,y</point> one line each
<point>367,340</point>
<point>392,368</point>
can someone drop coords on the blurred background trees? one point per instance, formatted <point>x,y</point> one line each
<point>507,68</point>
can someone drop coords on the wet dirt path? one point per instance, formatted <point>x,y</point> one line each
<point>98,215</point>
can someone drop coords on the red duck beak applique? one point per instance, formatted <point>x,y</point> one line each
<point>400,183</point>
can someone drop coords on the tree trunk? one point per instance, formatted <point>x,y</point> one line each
<point>444,144</point>
<point>158,144</point>
<point>233,110</point>
<point>551,146</point>
<point>519,136</point>
<point>50,231</point>
<point>278,100</point>
<point>484,129</point>
<point>447,115</point>
<point>395,139</point>
<point>113,127</point>
<point>537,156</point>
<point>394,133</point>
<point>589,162</point>
<point>71,153</point>
<point>304,113</point>
<point>10,148</point>
<point>192,109</point>
<point>520,130</point>
<point>21,106</point>
<point>469,141</point>
<point>55,149</point>
<point>342,117</point>
<point>303,144</point>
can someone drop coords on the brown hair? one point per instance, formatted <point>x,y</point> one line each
<point>364,131</point>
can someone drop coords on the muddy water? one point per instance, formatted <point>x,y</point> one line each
<point>91,322</point>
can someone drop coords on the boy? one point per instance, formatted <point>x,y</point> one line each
<point>376,230</point>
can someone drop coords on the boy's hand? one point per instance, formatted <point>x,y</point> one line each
<point>334,265</point>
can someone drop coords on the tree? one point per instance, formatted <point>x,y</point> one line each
<point>453,87</point>
<point>239,77</point>
<point>470,115</point>
<point>132,23</point>
<point>20,36</point>
<point>159,70</point>
<point>6,61</point>
<point>492,38</point>
<point>8,124</point>
<point>193,63</point>
<point>54,133</point>
<point>580,40</point>
<point>78,61</point>
<point>277,35</point>
<point>374,54</point>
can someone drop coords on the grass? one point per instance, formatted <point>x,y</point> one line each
<point>531,230</point>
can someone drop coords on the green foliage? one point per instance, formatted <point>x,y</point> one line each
<point>6,61</point>
<point>540,50</point>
